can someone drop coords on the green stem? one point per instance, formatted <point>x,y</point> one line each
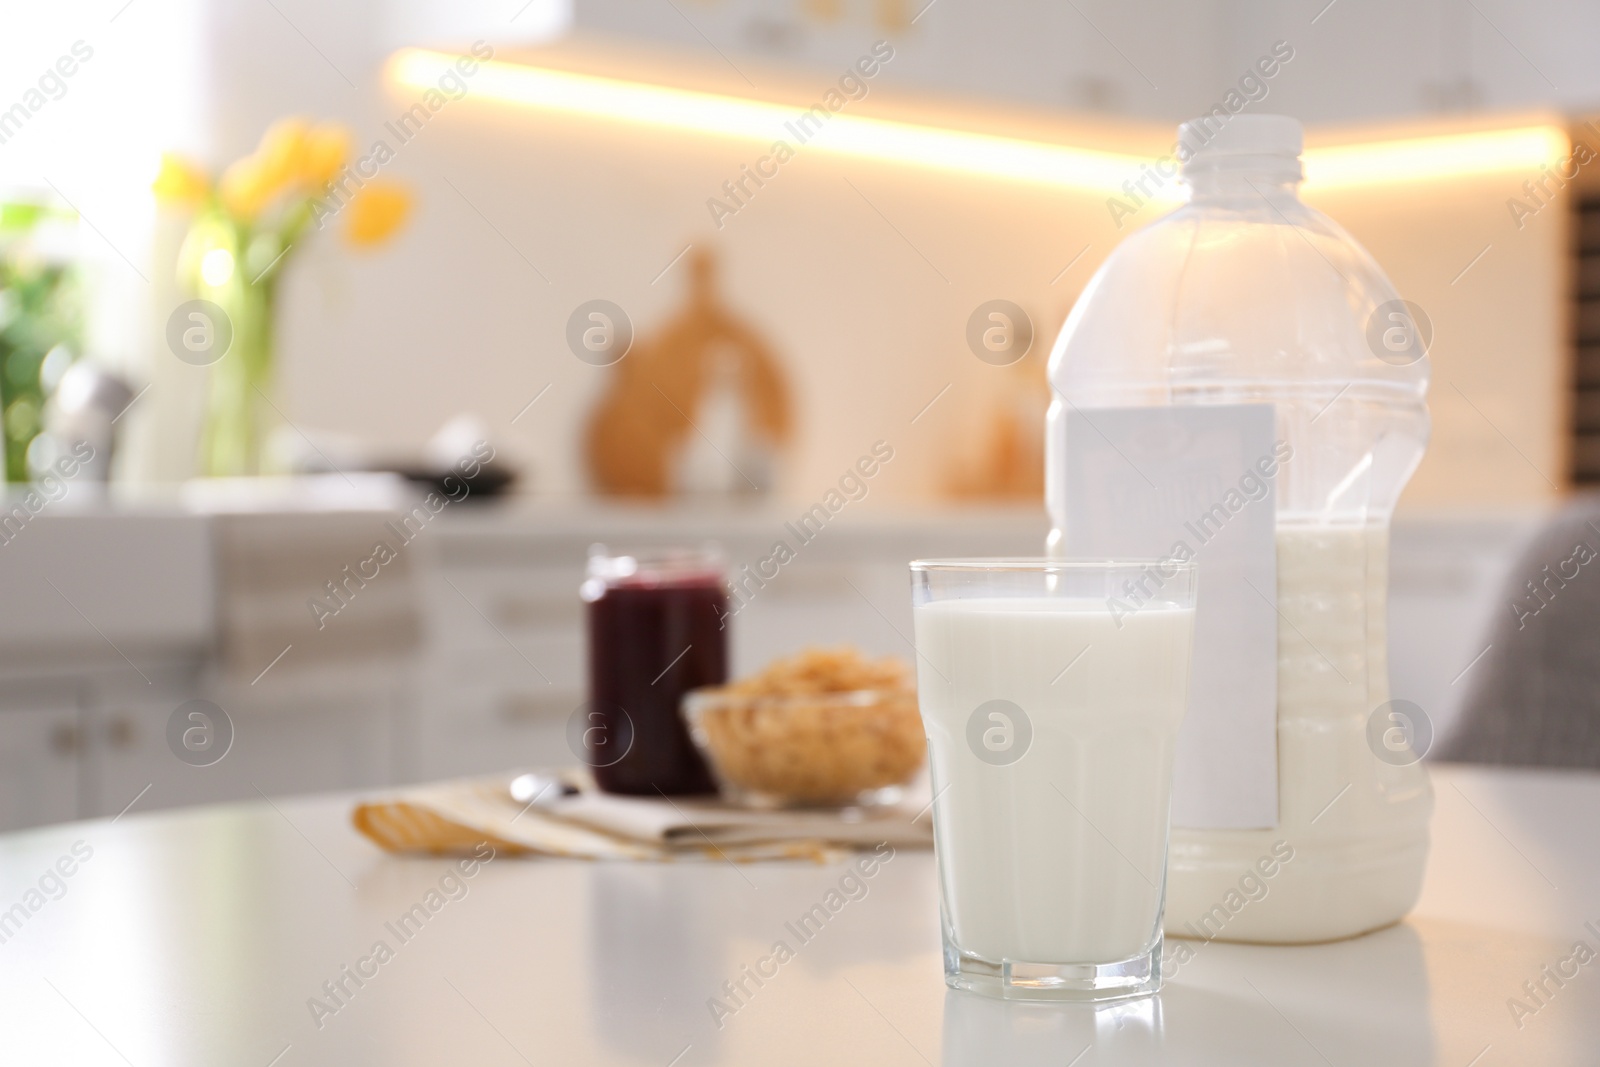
<point>238,414</point>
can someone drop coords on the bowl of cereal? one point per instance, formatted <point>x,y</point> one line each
<point>827,727</point>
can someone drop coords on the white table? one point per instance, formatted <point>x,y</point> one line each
<point>198,936</point>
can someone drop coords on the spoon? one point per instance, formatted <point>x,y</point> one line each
<point>543,790</point>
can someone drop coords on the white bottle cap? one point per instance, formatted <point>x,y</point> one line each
<point>1241,135</point>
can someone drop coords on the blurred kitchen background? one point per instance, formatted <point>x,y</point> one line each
<point>436,307</point>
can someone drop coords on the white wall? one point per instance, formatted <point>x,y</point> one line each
<point>92,139</point>
<point>862,274</point>
<point>867,302</point>
<point>1501,370</point>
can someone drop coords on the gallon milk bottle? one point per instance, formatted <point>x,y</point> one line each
<point>1246,299</point>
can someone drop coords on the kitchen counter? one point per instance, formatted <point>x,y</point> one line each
<point>203,936</point>
<point>466,650</point>
<point>462,651</point>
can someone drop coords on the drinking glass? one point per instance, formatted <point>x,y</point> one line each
<point>1052,691</point>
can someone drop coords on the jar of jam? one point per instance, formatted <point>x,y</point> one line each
<point>656,631</point>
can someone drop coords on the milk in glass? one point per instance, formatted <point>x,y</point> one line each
<point>1051,823</point>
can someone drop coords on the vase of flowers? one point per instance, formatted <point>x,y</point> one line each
<point>246,228</point>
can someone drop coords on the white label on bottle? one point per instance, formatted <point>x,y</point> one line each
<point>1197,482</point>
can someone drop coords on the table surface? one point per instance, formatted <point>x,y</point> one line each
<point>201,937</point>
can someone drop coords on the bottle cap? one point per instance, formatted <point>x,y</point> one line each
<point>1241,135</point>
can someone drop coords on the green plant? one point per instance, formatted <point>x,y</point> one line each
<point>40,320</point>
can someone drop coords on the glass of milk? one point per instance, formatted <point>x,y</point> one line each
<point>1052,691</point>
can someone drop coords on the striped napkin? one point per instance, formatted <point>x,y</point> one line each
<point>454,816</point>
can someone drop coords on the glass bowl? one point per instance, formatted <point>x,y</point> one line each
<point>809,749</point>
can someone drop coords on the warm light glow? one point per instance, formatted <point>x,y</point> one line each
<point>1416,159</point>
<point>709,113</point>
<point>1432,158</point>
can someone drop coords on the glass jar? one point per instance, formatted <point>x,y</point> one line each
<point>656,631</point>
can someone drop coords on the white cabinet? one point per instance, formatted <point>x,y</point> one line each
<point>39,766</point>
<point>505,667</point>
<point>502,665</point>
<point>296,745</point>
<point>285,743</point>
<point>475,728</point>
<point>506,647</point>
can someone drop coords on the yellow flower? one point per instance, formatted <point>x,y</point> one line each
<point>281,154</point>
<point>327,147</point>
<point>376,212</point>
<point>244,188</point>
<point>180,183</point>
